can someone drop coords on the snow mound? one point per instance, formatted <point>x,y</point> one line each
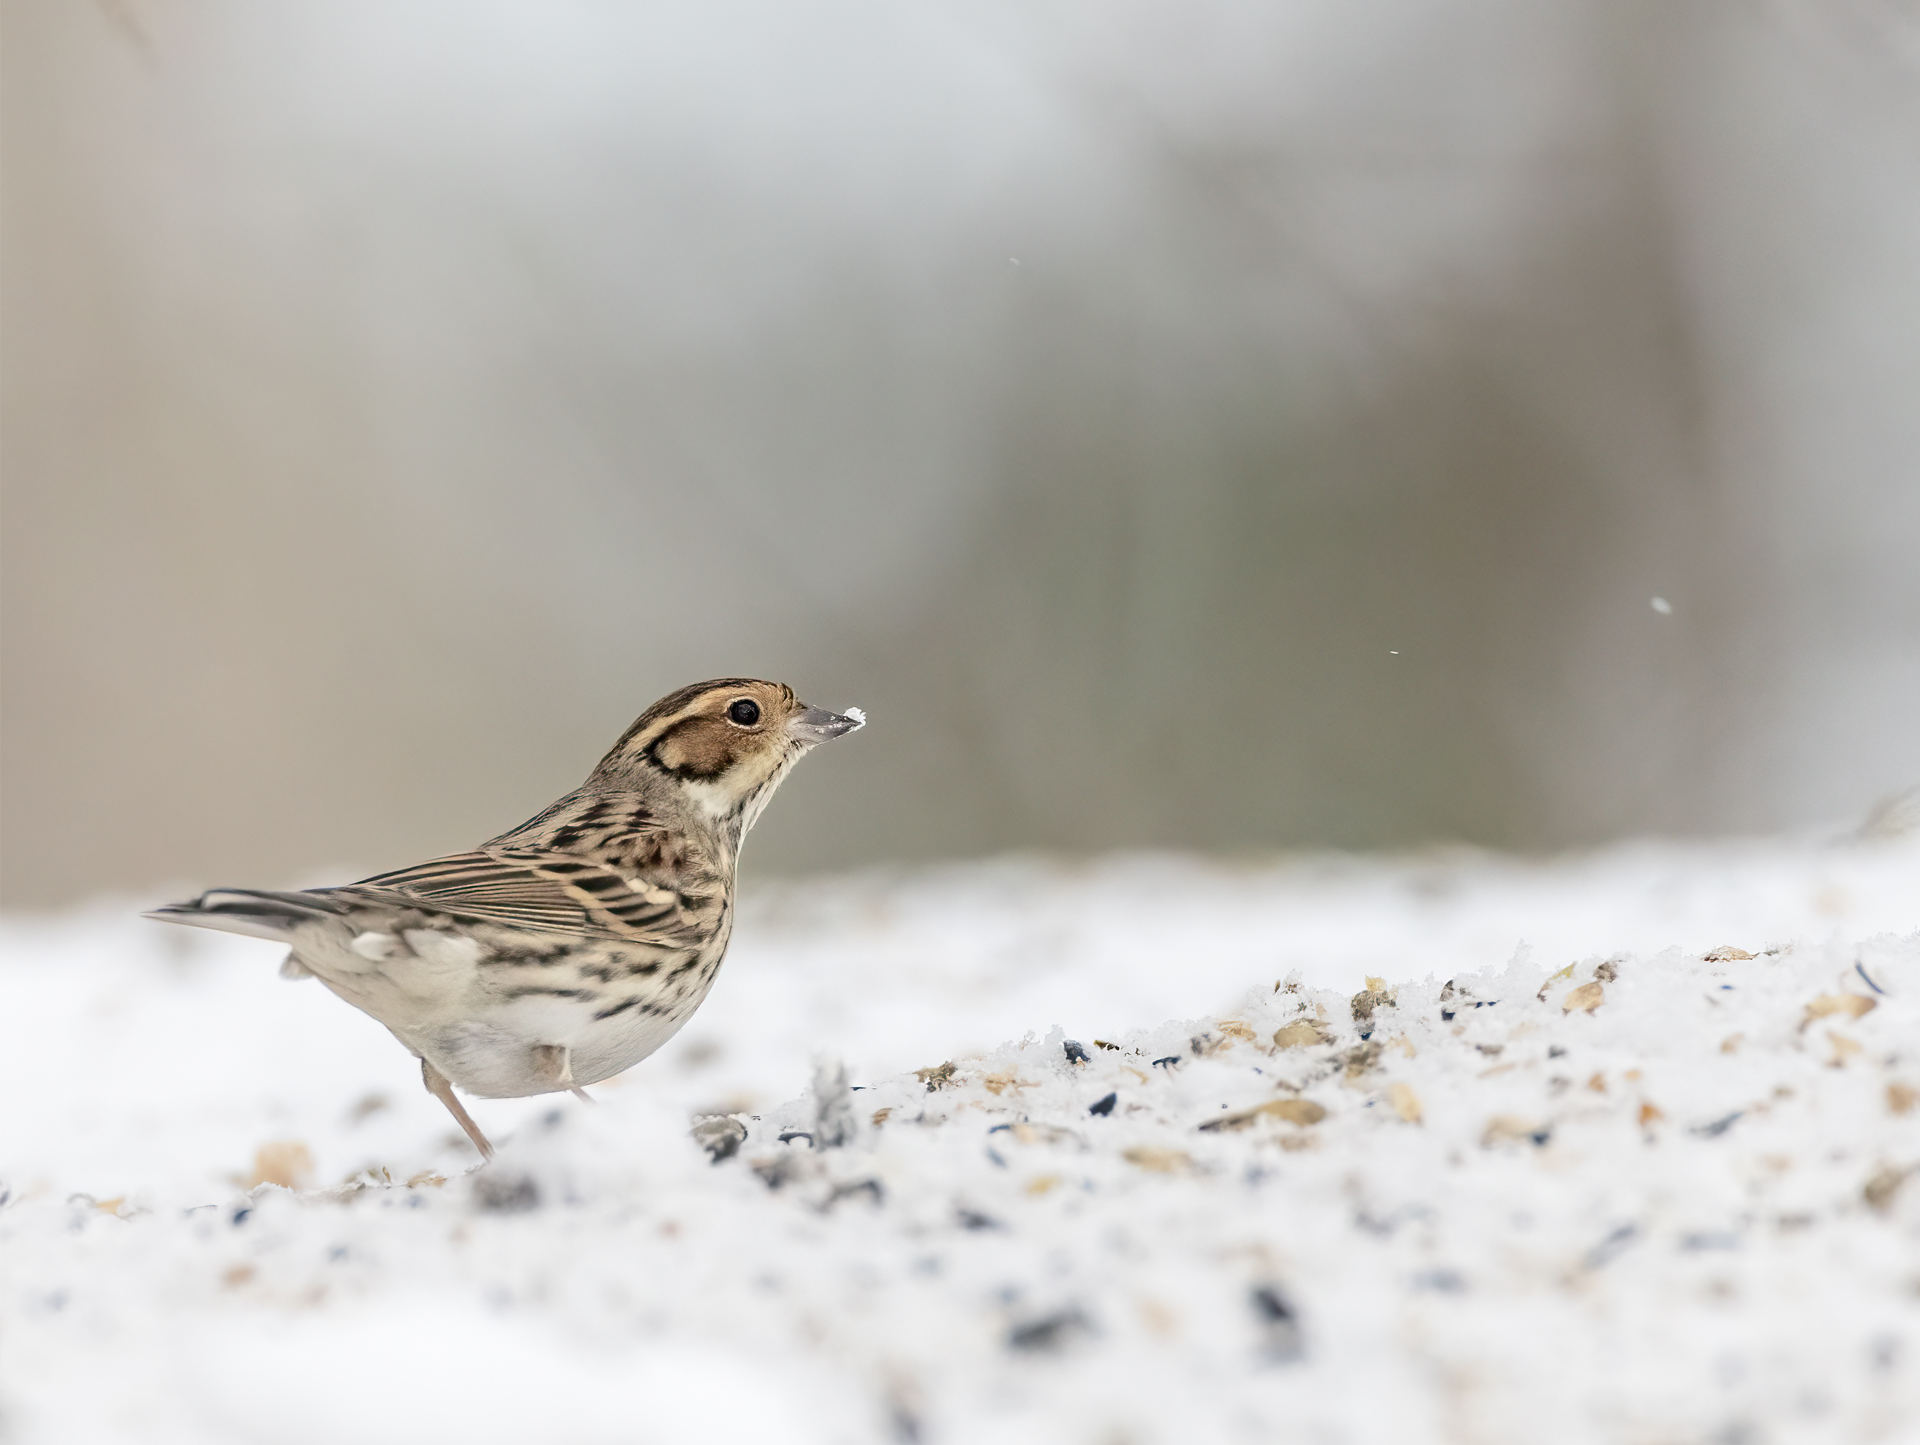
<point>1407,1190</point>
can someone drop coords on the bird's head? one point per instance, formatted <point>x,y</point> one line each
<point>726,744</point>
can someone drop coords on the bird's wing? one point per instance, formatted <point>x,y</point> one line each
<point>545,891</point>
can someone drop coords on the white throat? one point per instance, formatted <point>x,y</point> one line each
<point>725,807</point>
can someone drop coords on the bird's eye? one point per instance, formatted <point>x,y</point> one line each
<point>746,712</point>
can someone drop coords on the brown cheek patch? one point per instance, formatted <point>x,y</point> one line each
<point>700,747</point>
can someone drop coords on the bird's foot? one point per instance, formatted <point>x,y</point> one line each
<point>438,1086</point>
<point>554,1063</point>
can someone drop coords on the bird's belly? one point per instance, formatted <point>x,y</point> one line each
<point>499,1052</point>
<point>489,1021</point>
<point>498,1057</point>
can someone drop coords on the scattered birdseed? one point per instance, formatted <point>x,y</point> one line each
<point>1588,997</point>
<point>720,1136</point>
<point>504,1191</point>
<point>1185,1264</point>
<point>1300,1034</point>
<point>1049,1333</point>
<point>1847,1005</point>
<point>1294,1111</point>
<point>935,1078</point>
<point>285,1162</point>
<point>1405,1102</point>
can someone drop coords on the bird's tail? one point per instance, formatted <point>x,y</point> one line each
<point>256,912</point>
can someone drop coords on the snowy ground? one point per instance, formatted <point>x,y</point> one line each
<point>1618,1182</point>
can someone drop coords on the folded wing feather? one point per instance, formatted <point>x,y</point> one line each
<point>528,888</point>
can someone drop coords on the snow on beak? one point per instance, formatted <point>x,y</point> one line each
<point>817,725</point>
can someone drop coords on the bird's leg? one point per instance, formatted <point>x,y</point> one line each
<point>554,1062</point>
<point>438,1086</point>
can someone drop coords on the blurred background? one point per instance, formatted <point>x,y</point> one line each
<point>1217,424</point>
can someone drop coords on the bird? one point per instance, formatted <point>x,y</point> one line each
<point>568,949</point>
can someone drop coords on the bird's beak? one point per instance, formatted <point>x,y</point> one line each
<point>817,725</point>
